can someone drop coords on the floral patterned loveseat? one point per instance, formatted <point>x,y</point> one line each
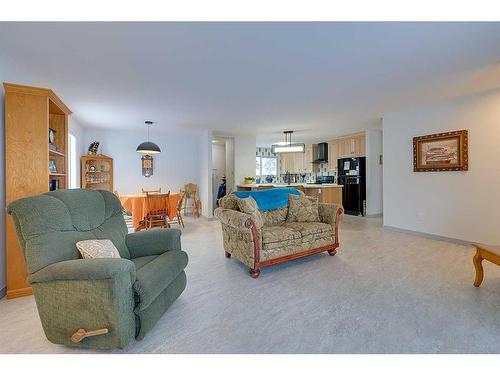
<point>276,240</point>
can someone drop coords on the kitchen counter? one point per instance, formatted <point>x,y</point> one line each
<point>305,185</point>
<point>326,193</point>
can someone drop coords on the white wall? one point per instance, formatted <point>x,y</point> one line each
<point>175,166</point>
<point>460,205</point>
<point>204,153</point>
<point>78,131</point>
<point>230,164</point>
<point>373,172</point>
<point>244,157</point>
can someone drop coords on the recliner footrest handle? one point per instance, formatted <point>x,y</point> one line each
<point>81,334</point>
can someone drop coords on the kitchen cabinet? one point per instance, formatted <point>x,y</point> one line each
<point>327,194</point>
<point>345,147</point>
<point>352,146</point>
<point>287,163</point>
<point>308,158</point>
<point>333,154</point>
<point>299,162</point>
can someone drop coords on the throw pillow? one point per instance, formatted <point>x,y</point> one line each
<point>97,249</point>
<point>249,206</point>
<point>302,209</point>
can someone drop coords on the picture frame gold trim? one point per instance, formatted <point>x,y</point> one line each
<point>463,152</point>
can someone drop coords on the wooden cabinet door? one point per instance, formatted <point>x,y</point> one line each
<point>308,159</point>
<point>283,163</point>
<point>287,163</point>
<point>360,146</point>
<point>345,147</point>
<point>352,146</point>
<point>314,192</point>
<point>298,162</point>
<point>333,154</point>
<point>26,172</point>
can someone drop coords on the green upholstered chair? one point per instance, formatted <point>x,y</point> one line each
<point>126,295</point>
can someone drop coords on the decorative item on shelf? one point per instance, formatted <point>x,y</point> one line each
<point>269,179</point>
<point>287,146</point>
<point>147,165</point>
<point>93,148</point>
<point>52,137</point>
<point>97,172</point>
<point>441,152</point>
<point>53,184</point>
<point>248,180</point>
<point>148,147</point>
<point>52,166</point>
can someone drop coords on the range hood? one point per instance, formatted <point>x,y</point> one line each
<point>322,155</point>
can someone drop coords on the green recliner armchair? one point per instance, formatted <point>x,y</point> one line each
<point>124,296</point>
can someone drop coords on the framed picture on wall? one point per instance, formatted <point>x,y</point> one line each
<point>441,152</point>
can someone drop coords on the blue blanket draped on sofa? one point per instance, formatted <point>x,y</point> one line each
<point>269,199</point>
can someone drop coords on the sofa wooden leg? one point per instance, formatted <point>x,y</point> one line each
<point>332,252</point>
<point>477,260</point>
<point>254,273</point>
<point>228,255</point>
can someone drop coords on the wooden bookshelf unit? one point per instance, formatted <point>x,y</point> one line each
<point>97,172</point>
<point>29,113</point>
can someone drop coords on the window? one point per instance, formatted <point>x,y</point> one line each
<point>266,166</point>
<point>72,162</point>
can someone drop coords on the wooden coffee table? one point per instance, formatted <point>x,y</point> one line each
<point>487,252</point>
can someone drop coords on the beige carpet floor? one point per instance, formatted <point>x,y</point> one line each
<point>384,292</point>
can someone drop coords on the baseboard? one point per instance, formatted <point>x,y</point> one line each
<point>22,292</point>
<point>428,235</point>
<point>3,292</point>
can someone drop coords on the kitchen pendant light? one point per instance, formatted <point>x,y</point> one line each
<point>148,147</point>
<point>287,146</point>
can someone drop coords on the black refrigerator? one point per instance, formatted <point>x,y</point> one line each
<point>352,174</point>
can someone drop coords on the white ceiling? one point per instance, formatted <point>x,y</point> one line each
<point>319,79</point>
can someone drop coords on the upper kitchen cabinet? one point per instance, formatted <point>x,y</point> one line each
<point>352,146</point>
<point>287,162</point>
<point>299,162</point>
<point>308,158</point>
<point>333,154</point>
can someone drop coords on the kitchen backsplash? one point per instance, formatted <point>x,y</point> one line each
<point>309,177</point>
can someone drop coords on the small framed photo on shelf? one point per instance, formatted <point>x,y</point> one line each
<point>52,166</point>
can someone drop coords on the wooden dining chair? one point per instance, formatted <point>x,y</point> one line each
<point>191,201</point>
<point>157,210</point>
<point>178,219</point>
<point>151,191</point>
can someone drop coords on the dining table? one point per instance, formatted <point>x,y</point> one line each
<point>136,205</point>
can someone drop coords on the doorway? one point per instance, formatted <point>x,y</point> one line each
<point>222,167</point>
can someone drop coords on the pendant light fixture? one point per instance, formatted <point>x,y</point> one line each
<point>287,146</point>
<point>148,147</point>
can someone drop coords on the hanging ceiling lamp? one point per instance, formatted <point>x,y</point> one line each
<point>288,146</point>
<point>148,147</point>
